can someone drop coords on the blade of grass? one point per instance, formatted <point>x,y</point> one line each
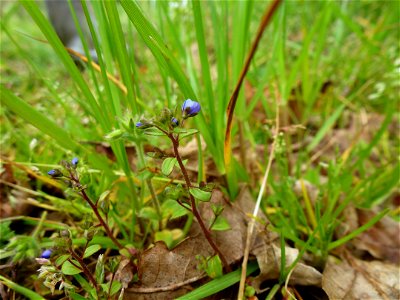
<point>167,61</point>
<point>40,121</point>
<point>20,289</point>
<point>37,119</point>
<point>359,230</point>
<point>231,175</point>
<point>326,127</point>
<point>218,284</point>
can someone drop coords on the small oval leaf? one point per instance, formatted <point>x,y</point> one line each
<point>168,165</point>
<point>200,195</point>
<point>149,213</point>
<point>91,250</point>
<point>61,259</point>
<point>69,269</point>
<point>221,224</point>
<point>173,209</point>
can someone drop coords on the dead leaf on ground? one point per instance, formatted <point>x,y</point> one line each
<point>382,240</point>
<point>269,260</point>
<point>360,280</point>
<point>167,274</point>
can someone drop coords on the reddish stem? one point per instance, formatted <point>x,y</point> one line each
<point>100,218</point>
<point>207,234</point>
<point>84,267</point>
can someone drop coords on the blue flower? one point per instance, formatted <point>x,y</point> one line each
<point>46,254</point>
<point>143,124</point>
<point>175,122</point>
<point>55,173</point>
<point>190,108</point>
<point>74,162</point>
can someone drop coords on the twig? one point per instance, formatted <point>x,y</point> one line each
<point>250,228</point>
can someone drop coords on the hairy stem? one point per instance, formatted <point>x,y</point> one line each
<point>206,231</point>
<point>101,220</point>
<point>83,266</point>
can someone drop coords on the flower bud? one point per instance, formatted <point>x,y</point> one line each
<point>55,173</point>
<point>190,108</point>
<point>143,124</point>
<point>46,254</point>
<point>174,122</point>
<point>74,162</point>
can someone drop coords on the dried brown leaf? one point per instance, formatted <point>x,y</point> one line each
<point>382,240</point>
<point>166,274</point>
<point>269,258</point>
<point>360,280</point>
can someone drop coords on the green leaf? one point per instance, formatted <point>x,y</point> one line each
<point>115,287</point>
<point>114,135</point>
<point>153,131</point>
<point>61,259</point>
<point>221,224</point>
<point>69,269</point>
<point>149,213</point>
<point>166,236</point>
<point>188,133</point>
<point>168,165</point>
<point>99,272</point>
<point>76,296</point>
<point>91,250</point>
<point>173,209</point>
<point>217,209</point>
<point>200,195</point>
<point>214,267</point>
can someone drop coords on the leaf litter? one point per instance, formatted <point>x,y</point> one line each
<point>166,274</point>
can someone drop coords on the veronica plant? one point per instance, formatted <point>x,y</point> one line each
<point>169,125</point>
<point>71,176</point>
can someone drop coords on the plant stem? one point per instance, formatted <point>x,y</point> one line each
<point>101,220</point>
<point>84,267</point>
<point>207,234</point>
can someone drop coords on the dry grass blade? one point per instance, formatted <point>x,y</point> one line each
<point>232,102</point>
<point>250,228</point>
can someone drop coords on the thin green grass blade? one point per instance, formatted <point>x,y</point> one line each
<point>326,127</point>
<point>37,119</point>
<point>359,230</point>
<point>32,8</point>
<point>218,284</point>
<point>48,127</point>
<point>20,289</point>
<point>167,61</point>
<point>119,44</point>
<point>205,67</point>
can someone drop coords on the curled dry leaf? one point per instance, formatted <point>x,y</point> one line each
<point>269,258</point>
<point>382,240</point>
<point>167,274</point>
<point>124,273</point>
<point>360,280</point>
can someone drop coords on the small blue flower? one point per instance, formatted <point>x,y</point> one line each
<point>175,122</point>
<point>75,162</point>
<point>144,124</point>
<point>55,173</point>
<point>190,108</point>
<point>46,254</point>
